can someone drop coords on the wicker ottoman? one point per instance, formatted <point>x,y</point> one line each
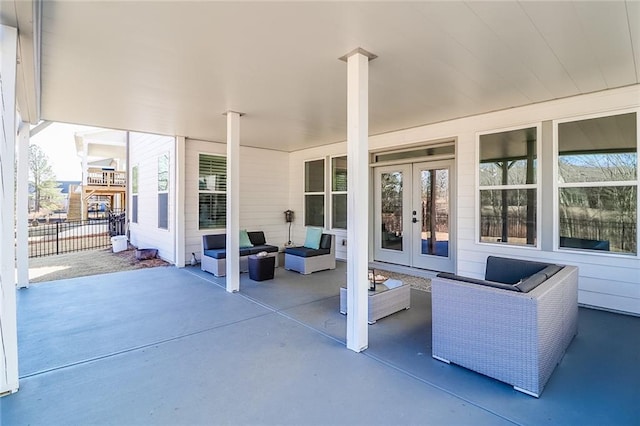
<point>261,268</point>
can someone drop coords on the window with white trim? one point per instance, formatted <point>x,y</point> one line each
<point>597,162</point>
<point>339,192</point>
<point>212,191</point>
<point>134,194</point>
<point>508,189</point>
<point>163,191</point>
<point>314,193</point>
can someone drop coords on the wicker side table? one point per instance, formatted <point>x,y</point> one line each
<point>384,301</point>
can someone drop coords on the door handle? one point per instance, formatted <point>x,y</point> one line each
<point>414,220</point>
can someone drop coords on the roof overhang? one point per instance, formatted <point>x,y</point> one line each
<point>25,16</point>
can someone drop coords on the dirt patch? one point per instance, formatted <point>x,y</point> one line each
<point>87,263</point>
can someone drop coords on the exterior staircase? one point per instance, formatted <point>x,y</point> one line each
<point>74,211</point>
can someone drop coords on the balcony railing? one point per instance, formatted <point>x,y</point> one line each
<point>99,177</point>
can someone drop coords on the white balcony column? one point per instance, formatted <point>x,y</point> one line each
<point>8,324</point>
<point>22,207</point>
<point>233,201</point>
<point>357,196</point>
<point>180,259</point>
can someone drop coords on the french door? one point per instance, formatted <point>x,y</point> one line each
<point>413,220</point>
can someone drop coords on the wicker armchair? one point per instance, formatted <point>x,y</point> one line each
<point>512,336</point>
<point>305,260</point>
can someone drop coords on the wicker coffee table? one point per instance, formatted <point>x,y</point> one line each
<point>386,300</point>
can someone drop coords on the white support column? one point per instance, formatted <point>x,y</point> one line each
<point>22,207</point>
<point>233,201</point>
<point>357,196</point>
<point>179,201</point>
<point>8,322</point>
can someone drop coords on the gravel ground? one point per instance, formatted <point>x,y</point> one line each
<point>85,263</point>
<point>418,283</point>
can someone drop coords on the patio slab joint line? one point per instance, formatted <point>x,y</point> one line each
<point>366,353</point>
<point>282,313</point>
<point>137,348</point>
<point>433,385</point>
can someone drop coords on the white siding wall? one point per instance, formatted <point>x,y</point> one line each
<point>264,192</point>
<point>144,151</point>
<point>607,281</point>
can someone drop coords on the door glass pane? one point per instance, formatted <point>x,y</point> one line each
<point>434,205</point>
<point>391,206</point>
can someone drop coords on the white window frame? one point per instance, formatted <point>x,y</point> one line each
<point>135,178</point>
<point>165,191</point>
<point>206,191</point>
<point>323,192</point>
<point>536,186</point>
<point>332,192</point>
<point>557,185</point>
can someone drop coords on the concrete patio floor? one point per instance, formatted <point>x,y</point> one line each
<point>171,346</point>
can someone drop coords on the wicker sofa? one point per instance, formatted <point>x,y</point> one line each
<point>307,260</point>
<point>214,252</point>
<point>513,332</point>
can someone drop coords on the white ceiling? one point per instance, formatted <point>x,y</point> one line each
<point>175,67</point>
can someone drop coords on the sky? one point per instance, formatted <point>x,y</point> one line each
<point>58,143</point>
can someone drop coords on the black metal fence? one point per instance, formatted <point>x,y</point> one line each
<point>67,237</point>
<point>620,236</point>
<point>491,226</point>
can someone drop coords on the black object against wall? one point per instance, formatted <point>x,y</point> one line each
<point>288,217</point>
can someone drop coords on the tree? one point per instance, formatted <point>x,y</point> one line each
<point>45,189</point>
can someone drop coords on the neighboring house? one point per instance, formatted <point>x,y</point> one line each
<point>103,154</point>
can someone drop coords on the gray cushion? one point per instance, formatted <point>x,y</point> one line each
<point>265,247</point>
<point>257,238</point>
<point>531,282</point>
<point>325,241</point>
<point>487,283</point>
<point>214,241</point>
<point>306,252</point>
<point>215,245</point>
<point>551,270</point>
<point>525,285</point>
<point>511,271</point>
<point>216,253</point>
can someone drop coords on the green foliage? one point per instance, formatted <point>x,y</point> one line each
<point>46,194</point>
